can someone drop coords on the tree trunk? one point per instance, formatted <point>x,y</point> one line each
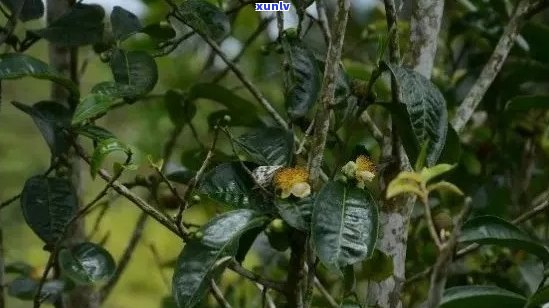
<point>65,61</point>
<point>395,216</point>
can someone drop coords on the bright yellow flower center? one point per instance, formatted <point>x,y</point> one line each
<point>292,181</point>
<point>364,163</point>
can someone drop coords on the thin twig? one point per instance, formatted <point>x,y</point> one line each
<point>135,199</point>
<point>325,293</point>
<point>523,11</point>
<point>218,295</point>
<point>194,181</point>
<point>244,79</point>
<point>440,269</point>
<point>430,223</point>
<point>323,20</point>
<point>237,268</point>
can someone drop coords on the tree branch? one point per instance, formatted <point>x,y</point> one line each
<point>327,92</point>
<point>274,285</point>
<point>425,26</point>
<point>523,11</point>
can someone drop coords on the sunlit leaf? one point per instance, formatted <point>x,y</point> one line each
<point>202,259</point>
<point>124,23</point>
<point>205,18</point>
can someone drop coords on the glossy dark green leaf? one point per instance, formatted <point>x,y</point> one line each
<point>134,69</point>
<point>492,230</point>
<point>91,107</point>
<point>296,213</point>
<point>528,102</point>
<point>344,225</point>
<point>202,259</point>
<point>32,9</point>
<point>481,296</point>
<point>81,25</point>
<point>235,105</point>
<point>94,132</point>
<point>25,288</point>
<point>124,23</point>
<point>426,109</point>
<point>302,77</point>
<point>159,32</point>
<point>47,205</point>
<point>103,149</point>
<point>17,66</point>
<point>268,145</point>
<point>205,18</point>
<point>50,118</point>
<point>180,110</point>
<point>246,241</point>
<point>229,184</point>
<point>86,263</point>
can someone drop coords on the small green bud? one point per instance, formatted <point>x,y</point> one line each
<point>227,118</point>
<point>196,198</point>
<point>291,33</point>
<point>105,56</point>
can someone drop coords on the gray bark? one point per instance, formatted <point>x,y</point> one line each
<point>64,60</point>
<point>425,27</point>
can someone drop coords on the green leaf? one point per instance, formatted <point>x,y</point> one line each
<point>268,145</point>
<point>236,105</point>
<point>25,288</point>
<point>426,109</point>
<point>492,230</point>
<point>539,298</point>
<point>50,118</point>
<point>91,107</point>
<point>86,263</point>
<point>103,149</point>
<point>19,267</point>
<point>527,102</point>
<point>159,32</point>
<point>205,18</point>
<point>296,213</point>
<point>229,184</point>
<point>82,25</point>
<point>94,132</point>
<point>344,225</point>
<point>200,261</point>
<point>302,77</point>
<point>377,268</point>
<point>180,109</point>
<point>135,69</point>
<point>47,205</point>
<point>17,66</point>
<point>481,296</point>
<point>427,174</point>
<point>32,9</point>
<point>124,23</point>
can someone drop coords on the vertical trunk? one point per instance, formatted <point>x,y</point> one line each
<point>65,61</point>
<point>2,299</point>
<point>395,216</point>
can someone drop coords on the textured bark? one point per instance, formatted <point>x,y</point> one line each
<point>395,215</point>
<point>425,26</point>
<point>64,60</point>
